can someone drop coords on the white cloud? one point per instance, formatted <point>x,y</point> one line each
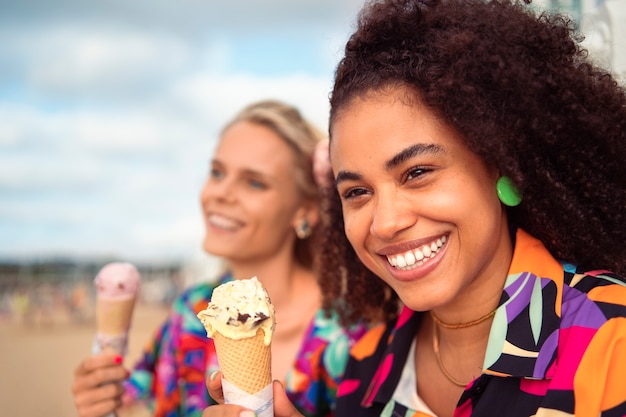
<point>220,96</point>
<point>117,132</point>
<point>86,60</point>
<point>109,112</point>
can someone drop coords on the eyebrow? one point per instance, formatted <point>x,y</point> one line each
<point>246,171</point>
<point>402,156</point>
<point>411,152</point>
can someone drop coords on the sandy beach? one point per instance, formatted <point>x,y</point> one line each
<point>38,359</point>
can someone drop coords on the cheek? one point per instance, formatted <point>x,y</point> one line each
<point>204,194</point>
<point>356,229</point>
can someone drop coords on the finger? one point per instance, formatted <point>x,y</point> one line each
<point>100,409</point>
<point>89,378</point>
<point>214,386</point>
<point>282,406</point>
<point>227,410</point>
<point>99,401</point>
<point>97,361</point>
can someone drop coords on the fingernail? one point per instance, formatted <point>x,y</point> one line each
<point>247,413</point>
<point>118,359</point>
<point>213,375</point>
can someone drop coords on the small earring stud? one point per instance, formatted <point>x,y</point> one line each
<point>303,230</point>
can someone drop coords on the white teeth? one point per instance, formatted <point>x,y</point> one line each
<point>410,258</point>
<point>222,222</point>
<point>416,257</point>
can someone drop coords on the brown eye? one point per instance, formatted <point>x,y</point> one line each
<point>354,193</point>
<point>416,172</point>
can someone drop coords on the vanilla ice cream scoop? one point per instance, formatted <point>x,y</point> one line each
<point>238,309</point>
<point>117,281</point>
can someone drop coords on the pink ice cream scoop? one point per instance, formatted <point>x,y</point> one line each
<point>117,281</point>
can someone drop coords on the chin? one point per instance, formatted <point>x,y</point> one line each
<point>214,249</point>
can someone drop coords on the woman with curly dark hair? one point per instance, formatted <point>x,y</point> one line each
<point>478,215</point>
<point>479,160</point>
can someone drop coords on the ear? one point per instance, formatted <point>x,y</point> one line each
<point>309,211</point>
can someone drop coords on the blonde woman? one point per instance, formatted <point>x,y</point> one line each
<point>260,206</point>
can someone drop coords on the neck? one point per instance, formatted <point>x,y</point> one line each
<point>281,276</point>
<point>472,310</point>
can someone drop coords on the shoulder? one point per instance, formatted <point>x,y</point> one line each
<point>604,288</point>
<point>593,306</point>
<point>198,295</point>
<point>326,327</point>
<point>186,306</point>
<point>593,334</point>
<point>192,295</point>
<point>329,342</point>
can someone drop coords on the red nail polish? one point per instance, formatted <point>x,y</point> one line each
<point>118,359</point>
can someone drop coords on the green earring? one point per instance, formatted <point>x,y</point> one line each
<point>508,193</point>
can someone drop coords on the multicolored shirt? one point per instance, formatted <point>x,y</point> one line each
<point>171,374</point>
<point>557,347</point>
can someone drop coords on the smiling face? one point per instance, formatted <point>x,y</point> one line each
<point>420,209</point>
<point>250,201</point>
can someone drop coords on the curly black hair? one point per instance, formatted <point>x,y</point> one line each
<point>523,93</point>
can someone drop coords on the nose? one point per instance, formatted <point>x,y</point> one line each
<point>390,216</point>
<point>216,189</point>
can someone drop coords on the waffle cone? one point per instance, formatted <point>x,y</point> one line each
<point>245,363</point>
<point>113,316</point>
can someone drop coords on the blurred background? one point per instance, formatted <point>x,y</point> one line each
<point>108,115</point>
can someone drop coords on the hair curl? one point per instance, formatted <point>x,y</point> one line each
<point>526,98</point>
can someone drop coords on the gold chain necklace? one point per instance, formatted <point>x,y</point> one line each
<point>443,369</point>
<point>462,325</point>
<point>436,324</point>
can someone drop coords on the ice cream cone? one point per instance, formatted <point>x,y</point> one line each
<point>246,363</point>
<point>113,316</point>
<point>240,319</point>
<point>117,286</point>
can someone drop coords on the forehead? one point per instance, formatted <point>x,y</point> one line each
<point>254,147</point>
<point>383,116</point>
<point>375,129</point>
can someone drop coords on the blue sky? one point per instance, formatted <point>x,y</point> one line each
<point>109,110</point>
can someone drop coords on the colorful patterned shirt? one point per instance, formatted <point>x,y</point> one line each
<point>171,374</point>
<point>557,347</point>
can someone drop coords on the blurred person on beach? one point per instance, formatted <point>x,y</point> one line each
<point>479,211</point>
<point>21,303</point>
<point>261,208</point>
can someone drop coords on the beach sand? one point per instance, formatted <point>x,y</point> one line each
<point>37,361</point>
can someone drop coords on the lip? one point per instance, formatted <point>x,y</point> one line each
<point>222,222</point>
<point>409,245</point>
<point>419,272</point>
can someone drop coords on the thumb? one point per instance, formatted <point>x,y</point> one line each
<point>282,406</point>
<point>214,386</point>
